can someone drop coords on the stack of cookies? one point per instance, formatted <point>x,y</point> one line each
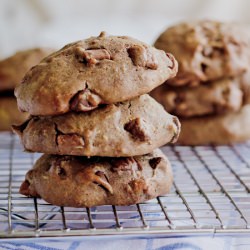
<point>98,128</point>
<point>210,94</point>
<point>12,70</point>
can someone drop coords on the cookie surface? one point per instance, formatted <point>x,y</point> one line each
<point>87,73</point>
<point>218,130</point>
<point>13,68</point>
<point>217,97</point>
<point>134,127</point>
<point>9,113</point>
<point>87,182</point>
<point>206,50</point>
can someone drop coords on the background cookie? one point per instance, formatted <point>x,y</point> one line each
<point>86,182</point>
<point>217,97</point>
<point>13,68</point>
<point>206,50</point>
<point>229,128</point>
<point>9,114</point>
<point>98,70</point>
<point>133,127</point>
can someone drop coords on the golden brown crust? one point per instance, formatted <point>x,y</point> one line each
<point>98,70</point>
<point>218,130</point>
<point>86,182</point>
<point>9,113</point>
<point>13,68</point>
<point>217,97</point>
<point>206,50</point>
<point>133,127</point>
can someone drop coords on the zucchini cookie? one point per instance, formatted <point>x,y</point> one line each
<point>134,127</point>
<point>13,68</point>
<point>217,130</point>
<point>9,114</point>
<point>206,51</point>
<point>99,70</point>
<point>217,97</point>
<point>86,182</point>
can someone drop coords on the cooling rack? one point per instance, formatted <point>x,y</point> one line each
<point>210,195</point>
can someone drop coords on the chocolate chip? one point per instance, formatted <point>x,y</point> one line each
<point>154,162</point>
<point>122,164</point>
<point>91,56</point>
<point>84,100</point>
<point>71,141</point>
<point>137,129</point>
<point>141,57</point>
<point>102,181</point>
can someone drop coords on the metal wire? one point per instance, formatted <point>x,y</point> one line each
<point>222,188</point>
<point>210,195</point>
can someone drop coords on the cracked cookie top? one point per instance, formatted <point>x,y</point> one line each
<point>13,68</point>
<point>134,127</point>
<point>206,50</point>
<point>99,70</point>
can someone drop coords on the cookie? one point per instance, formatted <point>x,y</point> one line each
<point>99,70</point>
<point>13,68</point>
<point>217,130</point>
<point>134,127</point>
<point>86,182</point>
<point>9,114</point>
<point>217,97</point>
<point>206,51</point>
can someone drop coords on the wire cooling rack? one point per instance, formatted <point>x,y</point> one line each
<point>210,195</point>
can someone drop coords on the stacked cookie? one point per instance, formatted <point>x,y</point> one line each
<point>99,129</point>
<point>12,70</point>
<point>211,90</point>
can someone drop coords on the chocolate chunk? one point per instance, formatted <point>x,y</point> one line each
<point>137,129</point>
<point>102,180</point>
<point>154,162</point>
<point>122,163</point>
<point>91,56</point>
<point>71,141</point>
<point>85,100</point>
<point>142,57</point>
